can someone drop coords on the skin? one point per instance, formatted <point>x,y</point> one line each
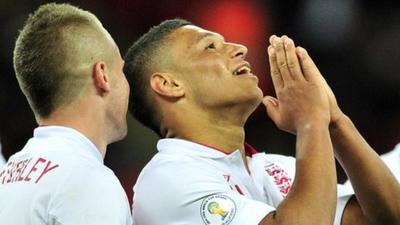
<point>201,87</point>
<point>205,80</point>
<point>375,187</point>
<point>100,110</point>
<point>301,91</point>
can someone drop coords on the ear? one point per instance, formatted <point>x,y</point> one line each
<point>166,85</point>
<point>101,77</point>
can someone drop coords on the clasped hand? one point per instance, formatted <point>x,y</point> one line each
<point>303,98</point>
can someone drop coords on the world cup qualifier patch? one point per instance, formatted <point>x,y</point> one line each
<point>217,209</point>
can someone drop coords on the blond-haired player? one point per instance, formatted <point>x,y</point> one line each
<point>70,70</point>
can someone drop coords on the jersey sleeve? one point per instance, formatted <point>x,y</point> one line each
<point>90,198</point>
<point>183,194</point>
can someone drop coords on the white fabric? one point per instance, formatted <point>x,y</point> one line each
<point>341,205</point>
<point>59,178</point>
<point>392,160</point>
<point>2,160</point>
<point>181,180</point>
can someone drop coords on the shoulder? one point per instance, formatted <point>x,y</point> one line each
<point>182,188</point>
<point>173,181</point>
<point>171,169</point>
<point>280,158</point>
<point>90,178</point>
<point>89,191</point>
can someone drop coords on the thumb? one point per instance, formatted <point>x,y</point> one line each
<point>272,106</point>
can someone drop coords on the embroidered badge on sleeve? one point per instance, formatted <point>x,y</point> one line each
<point>217,209</point>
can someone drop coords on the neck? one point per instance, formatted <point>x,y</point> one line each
<point>225,134</point>
<point>86,120</point>
<point>224,131</point>
<point>227,137</point>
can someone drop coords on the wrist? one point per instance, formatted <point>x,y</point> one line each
<point>339,120</point>
<point>315,124</point>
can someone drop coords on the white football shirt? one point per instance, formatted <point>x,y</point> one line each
<point>2,160</point>
<point>189,183</point>
<point>59,178</point>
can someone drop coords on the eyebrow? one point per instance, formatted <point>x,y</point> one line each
<point>207,34</point>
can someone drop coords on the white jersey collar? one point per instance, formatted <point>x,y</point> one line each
<point>70,134</point>
<point>180,146</point>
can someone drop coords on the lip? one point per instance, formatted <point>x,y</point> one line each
<point>245,63</point>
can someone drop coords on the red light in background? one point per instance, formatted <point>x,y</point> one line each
<point>244,22</point>
<point>237,20</point>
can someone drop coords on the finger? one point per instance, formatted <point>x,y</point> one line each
<point>271,39</point>
<point>292,59</point>
<point>272,107</point>
<point>310,70</point>
<point>281,60</point>
<point>275,73</point>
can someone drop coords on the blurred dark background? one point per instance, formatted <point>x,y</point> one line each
<point>355,43</point>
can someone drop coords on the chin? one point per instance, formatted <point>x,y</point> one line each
<point>253,94</point>
<point>255,99</point>
<point>249,103</point>
<point>257,95</point>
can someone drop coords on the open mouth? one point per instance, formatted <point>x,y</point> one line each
<point>243,69</point>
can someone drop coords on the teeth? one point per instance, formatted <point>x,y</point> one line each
<point>242,70</point>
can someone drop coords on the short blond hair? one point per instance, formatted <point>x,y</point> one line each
<point>50,50</point>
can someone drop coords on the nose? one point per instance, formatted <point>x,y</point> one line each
<point>238,50</point>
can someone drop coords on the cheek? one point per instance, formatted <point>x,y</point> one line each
<point>215,76</point>
<point>122,82</point>
<point>206,66</point>
<point>209,90</point>
<point>126,88</point>
<point>206,82</point>
<point>121,87</point>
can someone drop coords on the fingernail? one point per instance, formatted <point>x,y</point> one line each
<point>286,43</point>
<point>300,52</point>
<point>266,100</point>
<point>271,39</point>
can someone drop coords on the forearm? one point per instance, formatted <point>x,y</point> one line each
<point>312,199</point>
<point>375,187</point>
<point>302,107</point>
